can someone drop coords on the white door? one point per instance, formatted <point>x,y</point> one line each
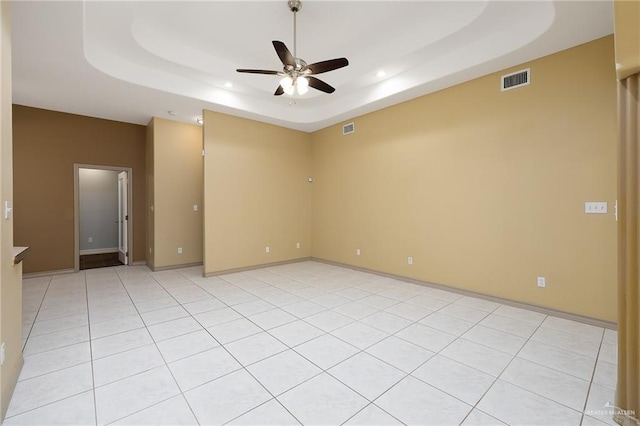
<point>123,218</point>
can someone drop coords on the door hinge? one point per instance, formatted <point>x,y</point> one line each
<point>126,217</point>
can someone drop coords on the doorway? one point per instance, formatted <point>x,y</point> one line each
<point>103,228</point>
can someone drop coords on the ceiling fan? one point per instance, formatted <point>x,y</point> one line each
<point>296,73</point>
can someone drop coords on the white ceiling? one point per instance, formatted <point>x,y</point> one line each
<point>130,61</point>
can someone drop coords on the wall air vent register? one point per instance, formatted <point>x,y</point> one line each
<point>347,129</point>
<point>515,80</point>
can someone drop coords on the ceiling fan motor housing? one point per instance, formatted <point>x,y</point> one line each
<point>294,5</point>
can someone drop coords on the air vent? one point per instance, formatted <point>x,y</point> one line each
<point>516,79</point>
<point>347,129</point>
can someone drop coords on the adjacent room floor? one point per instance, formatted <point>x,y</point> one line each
<point>93,261</point>
<point>306,343</point>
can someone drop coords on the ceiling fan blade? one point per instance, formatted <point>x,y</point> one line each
<point>325,66</point>
<point>284,54</point>
<point>269,72</point>
<point>279,91</point>
<point>320,85</point>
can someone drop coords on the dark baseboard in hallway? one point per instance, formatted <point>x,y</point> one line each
<point>92,261</point>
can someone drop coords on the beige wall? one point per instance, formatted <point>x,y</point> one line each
<point>485,190</point>
<point>46,144</point>
<point>627,37</point>
<point>256,193</point>
<point>10,275</point>
<point>177,185</point>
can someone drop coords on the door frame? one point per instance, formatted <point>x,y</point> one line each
<point>123,217</point>
<point>76,207</point>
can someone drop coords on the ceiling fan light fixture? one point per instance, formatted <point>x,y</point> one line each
<point>298,75</point>
<point>287,85</point>
<point>303,85</point>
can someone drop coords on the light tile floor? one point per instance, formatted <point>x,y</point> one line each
<point>306,343</point>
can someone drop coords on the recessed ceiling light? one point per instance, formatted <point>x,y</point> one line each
<point>381,74</point>
<point>199,120</point>
<point>228,85</point>
<point>171,112</point>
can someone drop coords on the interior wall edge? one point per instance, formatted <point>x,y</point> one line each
<point>514,303</point>
<point>13,383</point>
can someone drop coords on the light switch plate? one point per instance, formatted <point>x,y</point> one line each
<point>595,207</point>
<point>7,210</point>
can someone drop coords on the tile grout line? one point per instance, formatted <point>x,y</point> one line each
<point>219,343</point>
<point>322,370</point>
<point>278,284</point>
<point>535,393</point>
<point>26,341</point>
<point>372,402</point>
<point>243,367</point>
<point>326,371</point>
<point>438,353</point>
<point>93,378</point>
<point>475,406</point>
<point>513,357</point>
<point>155,343</point>
<point>44,295</point>
<point>593,374</point>
<point>120,283</point>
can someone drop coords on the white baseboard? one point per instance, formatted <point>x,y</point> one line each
<point>99,251</point>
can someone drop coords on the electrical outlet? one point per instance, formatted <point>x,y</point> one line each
<point>409,260</point>
<point>90,239</point>
<point>357,252</point>
<point>542,282</point>
<point>267,249</point>
<point>297,245</point>
<point>195,207</point>
<point>179,250</point>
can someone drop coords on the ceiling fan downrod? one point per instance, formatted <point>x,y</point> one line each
<point>295,6</point>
